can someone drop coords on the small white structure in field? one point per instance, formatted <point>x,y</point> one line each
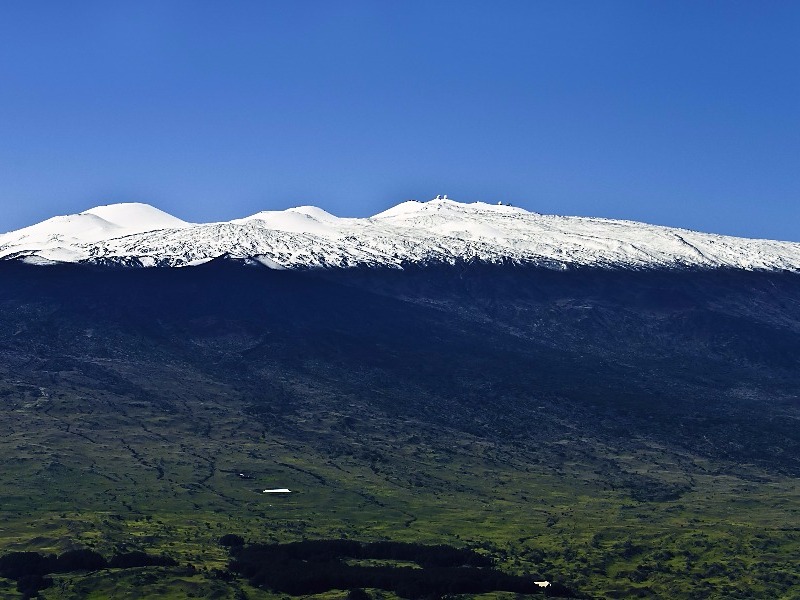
<point>542,584</point>
<point>278,491</point>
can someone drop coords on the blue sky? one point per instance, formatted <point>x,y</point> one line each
<point>676,113</point>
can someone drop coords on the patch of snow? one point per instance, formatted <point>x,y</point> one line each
<point>38,260</point>
<point>76,228</point>
<point>67,233</point>
<point>292,221</point>
<point>316,213</point>
<point>136,217</point>
<point>542,584</point>
<point>269,263</point>
<point>404,208</point>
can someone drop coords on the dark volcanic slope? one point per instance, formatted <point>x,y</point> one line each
<point>707,361</point>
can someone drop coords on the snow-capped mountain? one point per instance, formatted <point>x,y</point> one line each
<point>434,232</point>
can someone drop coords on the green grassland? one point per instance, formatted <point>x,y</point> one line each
<point>168,482</point>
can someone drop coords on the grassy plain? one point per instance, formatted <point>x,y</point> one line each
<point>169,482</point>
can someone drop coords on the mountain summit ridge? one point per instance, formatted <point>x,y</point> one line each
<point>440,231</point>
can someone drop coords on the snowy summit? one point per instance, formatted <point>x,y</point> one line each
<point>441,231</point>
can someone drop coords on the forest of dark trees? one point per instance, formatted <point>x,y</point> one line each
<point>313,567</point>
<point>30,569</point>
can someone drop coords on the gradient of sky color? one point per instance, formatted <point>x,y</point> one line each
<point>669,112</point>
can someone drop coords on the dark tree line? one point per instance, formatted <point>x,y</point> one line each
<point>29,569</point>
<point>326,550</point>
<point>314,567</point>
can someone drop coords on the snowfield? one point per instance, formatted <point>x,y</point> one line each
<point>434,232</point>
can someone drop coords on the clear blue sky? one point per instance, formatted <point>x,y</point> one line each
<point>669,112</point>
